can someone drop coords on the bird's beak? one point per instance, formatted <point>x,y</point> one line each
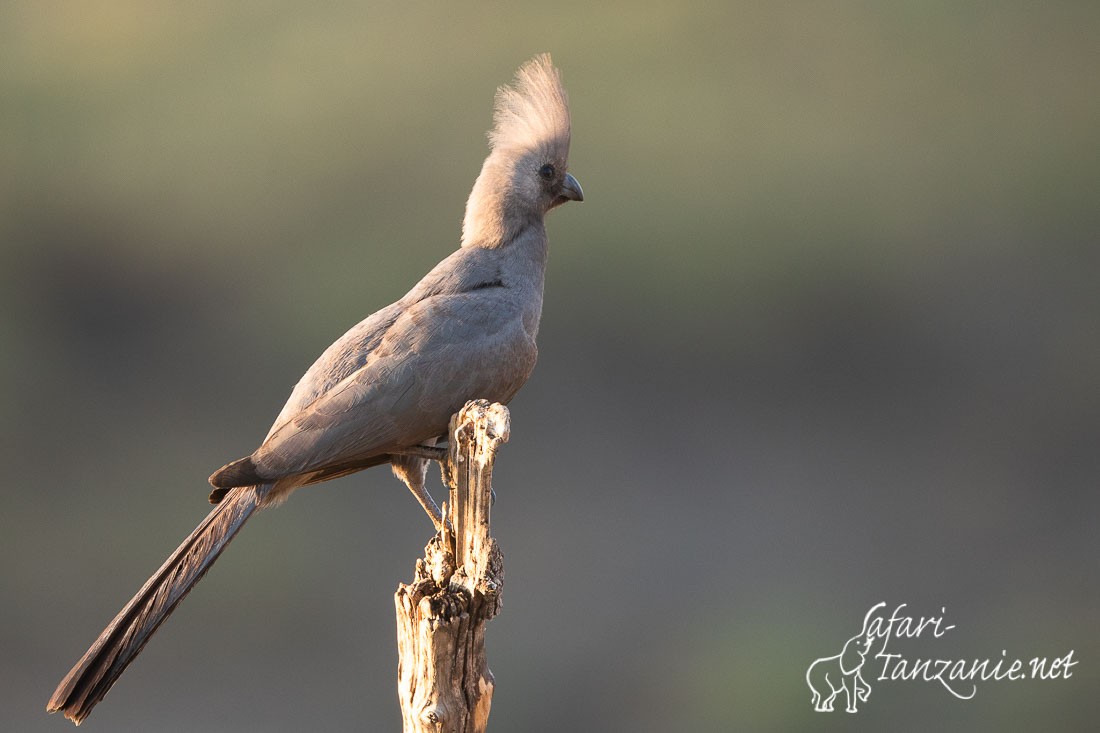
<point>571,188</point>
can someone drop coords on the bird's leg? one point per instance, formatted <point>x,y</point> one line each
<point>411,466</point>
<point>413,471</point>
<point>421,493</point>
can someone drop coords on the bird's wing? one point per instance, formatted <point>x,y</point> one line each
<point>438,353</point>
<point>462,271</point>
<point>342,358</point>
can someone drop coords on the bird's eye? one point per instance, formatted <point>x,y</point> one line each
<point>547,171</point>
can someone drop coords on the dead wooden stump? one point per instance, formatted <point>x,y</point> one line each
<point>444,682</point>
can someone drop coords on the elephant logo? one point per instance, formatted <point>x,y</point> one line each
<point>827,677</point>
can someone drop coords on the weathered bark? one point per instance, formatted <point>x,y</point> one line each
<point>444,682</point>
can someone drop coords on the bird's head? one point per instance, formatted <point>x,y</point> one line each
<point>526,174</point>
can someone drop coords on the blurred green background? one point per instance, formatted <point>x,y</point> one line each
<point>825,332</point>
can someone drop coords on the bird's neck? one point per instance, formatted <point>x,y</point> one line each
<point>493,216</point>
<point>522,263</point>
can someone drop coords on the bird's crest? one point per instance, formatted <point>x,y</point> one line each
<point>533,111</point>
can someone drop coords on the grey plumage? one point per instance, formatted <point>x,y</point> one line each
<point>387,387</point>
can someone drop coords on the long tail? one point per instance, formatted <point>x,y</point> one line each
<point>125,637</point>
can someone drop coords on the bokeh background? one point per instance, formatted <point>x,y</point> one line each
<point>826,332</point>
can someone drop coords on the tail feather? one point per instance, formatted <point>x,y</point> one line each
<point>126,636</point>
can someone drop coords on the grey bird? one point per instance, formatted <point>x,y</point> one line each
<point>385,390</point>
